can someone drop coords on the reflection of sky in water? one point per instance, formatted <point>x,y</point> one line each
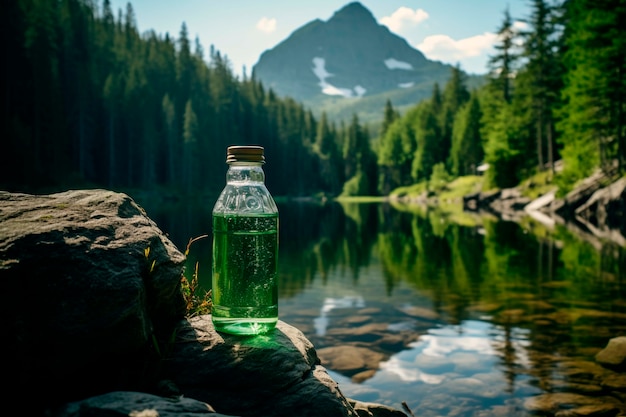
<point>321,322</point>
<point>450,370</point>
<point>451,363</point>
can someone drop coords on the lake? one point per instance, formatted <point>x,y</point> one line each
<point>454,314</point>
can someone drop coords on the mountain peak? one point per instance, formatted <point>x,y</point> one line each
<point>353,10</point>
<point>348,56</point>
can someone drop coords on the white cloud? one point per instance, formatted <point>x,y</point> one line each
<point>266,24</point>
<point>330,304</point>
<point>408,372</point>
<point>403,17</point>
<point>520,26</point>
<point>444,48</point>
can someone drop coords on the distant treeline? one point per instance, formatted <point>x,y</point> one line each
<point>88,101</point>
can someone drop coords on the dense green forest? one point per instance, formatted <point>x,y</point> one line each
<point>89,101</point>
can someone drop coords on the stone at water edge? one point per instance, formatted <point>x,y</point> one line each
<point>614,354</point>
<point>272,374</point>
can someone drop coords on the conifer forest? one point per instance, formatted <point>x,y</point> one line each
<point>90,101</point>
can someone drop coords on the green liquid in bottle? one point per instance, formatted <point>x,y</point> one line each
<point>245,261</point>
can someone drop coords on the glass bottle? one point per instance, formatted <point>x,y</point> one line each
<point>245,248</point>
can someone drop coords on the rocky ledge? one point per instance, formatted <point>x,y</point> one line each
<point>593,210</point>
<point>96,325</point>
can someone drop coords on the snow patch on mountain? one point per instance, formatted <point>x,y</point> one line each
<point>331,90</point>
<point>393,63</point>
<point>406,85</point>
<point>319,69</point>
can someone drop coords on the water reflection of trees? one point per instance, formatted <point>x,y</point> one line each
<point>315,239</point>
<point>561,296</point>
<point>496,263</point>
<point>426,250</point>
<point>360,234</point>
<point>463,268</point>
<point>565,292</point>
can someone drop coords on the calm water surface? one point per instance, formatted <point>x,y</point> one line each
<point>454,315</point>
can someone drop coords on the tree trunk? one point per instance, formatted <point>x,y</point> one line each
<point>549,141</point>
<point>540,142</point>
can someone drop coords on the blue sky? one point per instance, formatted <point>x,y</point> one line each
<point>452,31</point>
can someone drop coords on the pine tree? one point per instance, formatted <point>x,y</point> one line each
<point>395,156</point>
<point>428,136</point>
<point>467,151</point>
<point>41,43</point>
<point>171,147</point>
<point>455,95</point>
<point>190,145</point>
<point>502,65</point>
<point>502,151</point>
<point>76,59</point>
<point>360,161</point>
<point>543,75</point>
<point>389,116</point>
<point>184,70</point>
<point>331,164</point>
<point>593,117</point>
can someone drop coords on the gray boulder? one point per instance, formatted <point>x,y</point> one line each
<point>96,324</point>
<point>127,403</point>
<point>82,296</point>
<point>276,374</point>
<point>606,208</point>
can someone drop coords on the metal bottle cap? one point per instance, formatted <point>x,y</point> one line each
<point>247,153</point>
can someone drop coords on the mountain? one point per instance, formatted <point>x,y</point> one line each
<point>350,64</point>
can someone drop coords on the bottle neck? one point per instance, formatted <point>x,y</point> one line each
<point>245,172</point>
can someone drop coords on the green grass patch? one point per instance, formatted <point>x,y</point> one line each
<point>454,190</point>
<point>537,185</point>
<point>461,187</point>
<point>411,191</point>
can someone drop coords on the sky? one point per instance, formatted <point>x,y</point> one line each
<point>457,32</point>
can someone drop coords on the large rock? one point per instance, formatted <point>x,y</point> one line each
<point>606,208</point>
<point>95,324</point>
<point>566,206</point>
<point>81,298</point>
<point>614,354</point>
<point>593,209</point>
<point>140,404</point>
<point>577,405</point>
<point>277,374</point>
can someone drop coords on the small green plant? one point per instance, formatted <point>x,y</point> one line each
<point>158,347</point>
<point>196,303</point>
